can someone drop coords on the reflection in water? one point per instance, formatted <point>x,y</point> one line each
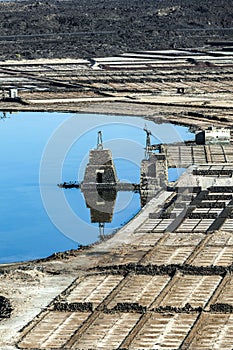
<point>3,115</point>
<point>101,204</point>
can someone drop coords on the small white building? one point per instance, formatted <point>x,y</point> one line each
<point>213,135</point>
<point>13,93</point>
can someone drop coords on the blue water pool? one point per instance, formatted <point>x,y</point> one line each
<point>40,150</point>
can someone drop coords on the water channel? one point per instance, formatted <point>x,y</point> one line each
<point>40,150</point>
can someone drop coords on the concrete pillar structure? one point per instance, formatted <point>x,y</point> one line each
<point>100,169</point>
<point>99,185</point>
<point>154,175</point>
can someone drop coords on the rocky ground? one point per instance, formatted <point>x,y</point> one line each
<point>32,29</point>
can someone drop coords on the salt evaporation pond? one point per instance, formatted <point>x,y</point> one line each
<point>33,228</point>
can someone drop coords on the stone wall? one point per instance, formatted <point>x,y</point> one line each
<point>100,168</point>
<point>153,176</point>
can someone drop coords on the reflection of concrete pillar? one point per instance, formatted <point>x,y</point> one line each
<point>100,168</point>
<point>101,204</point>
<point>154,175</point>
